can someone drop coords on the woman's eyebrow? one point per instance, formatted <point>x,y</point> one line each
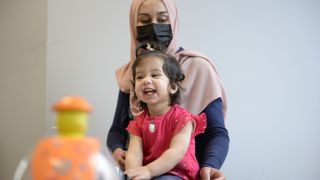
<point>159,13</point>
<point>163,12</point>
<point>143,14</point>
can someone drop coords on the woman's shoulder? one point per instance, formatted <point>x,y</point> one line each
<point>198,64</point>
<point>196,61</point>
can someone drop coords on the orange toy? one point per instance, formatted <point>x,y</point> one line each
<point>70,155</point>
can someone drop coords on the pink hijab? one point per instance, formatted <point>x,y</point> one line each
<point>201,86</point>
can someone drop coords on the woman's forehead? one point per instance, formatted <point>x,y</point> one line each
<point>152,6</point>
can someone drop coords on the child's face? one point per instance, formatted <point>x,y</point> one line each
<point>151,83</point>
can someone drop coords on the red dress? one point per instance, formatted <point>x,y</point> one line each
<point>157,131</point>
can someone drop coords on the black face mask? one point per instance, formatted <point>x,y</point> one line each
<point>160,33</point>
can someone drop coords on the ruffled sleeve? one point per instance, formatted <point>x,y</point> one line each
<point>199,122</point>
<point>180,122</point>
<point>135,127</point>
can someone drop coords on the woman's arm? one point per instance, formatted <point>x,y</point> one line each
<point>117,136</point>
<point>212,146</point>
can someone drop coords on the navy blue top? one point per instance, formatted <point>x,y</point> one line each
<point>211,147</point>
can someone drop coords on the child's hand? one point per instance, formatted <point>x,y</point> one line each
<point>139,173</point>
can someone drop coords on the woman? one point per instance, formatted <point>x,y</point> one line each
<point>157,21</point>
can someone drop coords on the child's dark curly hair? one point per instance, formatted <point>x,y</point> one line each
<point>170,67</point>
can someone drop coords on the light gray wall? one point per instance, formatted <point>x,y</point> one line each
<point>23,31</point>
<point>267,53</point>
<point>87,41</point>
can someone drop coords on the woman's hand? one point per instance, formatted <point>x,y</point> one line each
<point>209,173</point>
<point>119,155</point>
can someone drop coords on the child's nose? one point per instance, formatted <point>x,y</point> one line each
<point>147,80</point>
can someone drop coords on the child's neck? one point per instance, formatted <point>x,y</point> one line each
<point>158,110</point>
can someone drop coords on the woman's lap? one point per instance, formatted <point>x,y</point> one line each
<point>167,177</point>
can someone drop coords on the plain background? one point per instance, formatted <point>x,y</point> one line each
<point>267,53</point>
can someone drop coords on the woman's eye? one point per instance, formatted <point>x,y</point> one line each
<point>163,19</point>
<point>145,22</point>
<point>143,19</point>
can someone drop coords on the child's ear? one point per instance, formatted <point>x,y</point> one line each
<point>173,88</point>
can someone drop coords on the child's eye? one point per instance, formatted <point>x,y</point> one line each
<point>139,77</point>
<point>156,75</point>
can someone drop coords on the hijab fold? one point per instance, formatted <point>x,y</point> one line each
<point>201,86</point>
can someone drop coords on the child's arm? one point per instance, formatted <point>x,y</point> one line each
<point>135,153</point>
<point>172,156</point>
